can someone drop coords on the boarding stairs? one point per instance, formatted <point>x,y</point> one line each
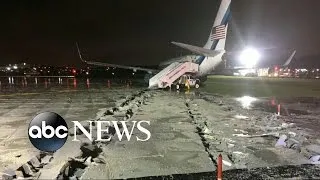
<point>171,73</point>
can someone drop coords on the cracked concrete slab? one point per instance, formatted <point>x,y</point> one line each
<point>19,108</point>
<point>174,146</point>
<point>188,132</point>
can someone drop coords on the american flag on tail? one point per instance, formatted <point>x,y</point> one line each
<point>218,32</point>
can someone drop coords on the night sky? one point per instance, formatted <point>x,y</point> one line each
<point>139,32</point>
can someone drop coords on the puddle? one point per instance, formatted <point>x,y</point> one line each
<point>297,112</point>
<point>239,116</point>
<point>307,100</point>
<point>294,106</point>
<point>246,101</point>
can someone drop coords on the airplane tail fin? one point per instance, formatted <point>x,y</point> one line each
<point>217,38</point>
<point>79,53</point>
<point>218,33</point>
<point>289,59</point>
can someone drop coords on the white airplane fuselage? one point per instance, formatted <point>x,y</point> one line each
<point>206,64</point>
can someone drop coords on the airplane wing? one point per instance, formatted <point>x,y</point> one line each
<point>198,50</point>
<point>114,65</point>
<point>289,59</point>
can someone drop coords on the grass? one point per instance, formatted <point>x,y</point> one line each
<point>262,87</point>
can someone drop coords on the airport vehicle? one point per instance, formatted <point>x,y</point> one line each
<point>187,81</point>
<point>207,58</point>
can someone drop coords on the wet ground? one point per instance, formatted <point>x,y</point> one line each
<point>188,132</point>
<point>262,87</point>
<point>74,100</point>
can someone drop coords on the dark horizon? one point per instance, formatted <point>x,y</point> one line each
<point>140,32</point>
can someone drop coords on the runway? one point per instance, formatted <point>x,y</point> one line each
<point>73,100</point>
<point>188,132</point>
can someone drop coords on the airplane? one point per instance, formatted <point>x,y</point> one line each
<point>282,70</point>
<point>252,71</point>
<point>286,64</point>
<point>208,57</point>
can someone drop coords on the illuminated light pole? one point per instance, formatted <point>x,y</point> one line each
<point>249,57</point>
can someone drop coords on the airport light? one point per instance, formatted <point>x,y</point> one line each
<point>249,57</point>
<point>15,67</point>
<point>8,68</point>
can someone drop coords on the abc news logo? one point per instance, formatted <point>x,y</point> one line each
<point>48,131</point>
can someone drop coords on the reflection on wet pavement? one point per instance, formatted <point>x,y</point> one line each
<point>21,84</point>
<point>246,101</point>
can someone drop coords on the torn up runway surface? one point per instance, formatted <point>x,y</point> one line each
<point>18,109</point>
<point>174,146</point>
<point>187,135</point>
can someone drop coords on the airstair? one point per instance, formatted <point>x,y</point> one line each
<point>170,74</point>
